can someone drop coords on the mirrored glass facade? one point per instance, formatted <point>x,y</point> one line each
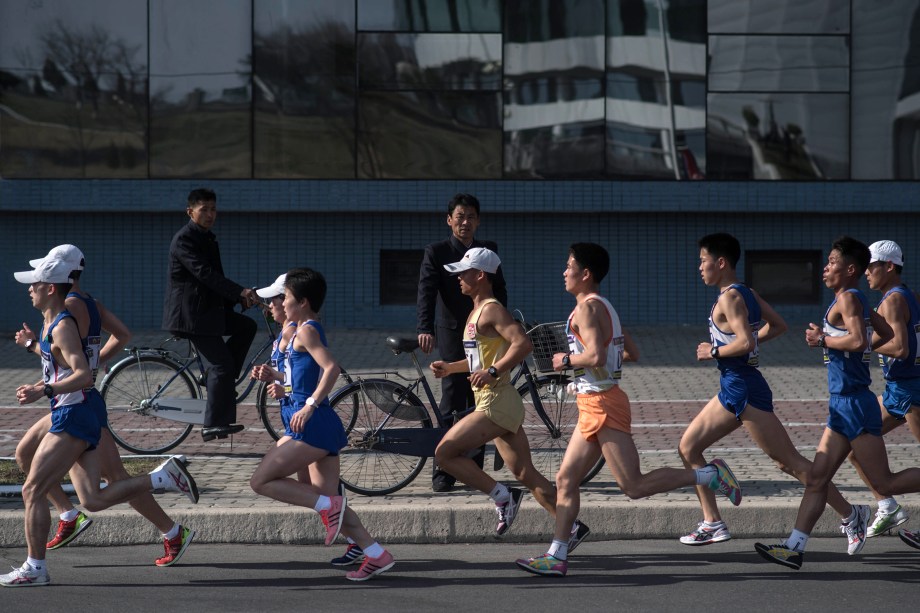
<point>460,89</point>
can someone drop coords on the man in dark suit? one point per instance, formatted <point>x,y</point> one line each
<point>445,330</point>
<point>199,306</point>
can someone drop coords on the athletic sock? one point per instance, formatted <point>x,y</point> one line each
<point>713,524</point>
<point>500,494</point>
<point>374,550</point>
<point>888,505</point>
<point>704,475</point>
<point>322,503</point>
<point>559,550</point>
<point>37,565</point>
<point>350,540</point>
<point>797,541</point>
<point>70,515</point>
<point>173,532</point>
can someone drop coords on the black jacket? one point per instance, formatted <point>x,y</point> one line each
<point>198,295</point>
<point>437,286</point>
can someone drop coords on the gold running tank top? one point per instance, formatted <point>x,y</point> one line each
<point>483,351</point>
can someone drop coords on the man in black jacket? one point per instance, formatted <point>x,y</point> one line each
<point>199,306</point>
<point>437,286</point>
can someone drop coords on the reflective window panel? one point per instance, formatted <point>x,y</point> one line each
<point>200,88</point>
<point>429,15</point>
<point>304,89</point>
<point>778,136</point>
<point>783,16</point>
<point>779,63</point>
<point>886,90</point>
<point>73,89</point>
<point>538,21</point>
<point>429,135</point>
<point>430,61</point>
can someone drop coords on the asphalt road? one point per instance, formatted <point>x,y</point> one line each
<point>643,575</point>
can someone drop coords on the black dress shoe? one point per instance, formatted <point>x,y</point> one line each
<point>442,482</point>
<point>209,433</point>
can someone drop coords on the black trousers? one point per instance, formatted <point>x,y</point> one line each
<point>224,360</point>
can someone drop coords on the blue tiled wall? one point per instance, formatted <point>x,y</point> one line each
<point>339,227</point>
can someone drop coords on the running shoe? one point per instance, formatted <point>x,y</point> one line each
<point>371,567</point>
<point>25,577</point>
<point>780,554</point>
<point>353,555</point>
<point>911,538</point>
<point>544,565</point>
<point>508,511</point>
<point>579,533</point>
<point>725,483</point>
<point>885,522</point>
<point>69,530</point>
<point>175,547</point>
<point>856,529</point>
<point>176,478</point>
<point>332,518</point>
<point>707,535</point>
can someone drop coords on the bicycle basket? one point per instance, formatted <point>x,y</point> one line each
<point>391,400</point>
<point>548,339</point>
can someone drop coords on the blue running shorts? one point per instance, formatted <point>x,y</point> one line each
<point>79,420</point>
<point>855,414</point>
<point>323,430</point>
<point>899,396</point>
<point>737,391</point>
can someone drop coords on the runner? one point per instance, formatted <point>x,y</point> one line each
<point>92,318</point>
<point>744,398</point>
<point>313,433</point>
<point>75,430</point>
<point>597,348</point>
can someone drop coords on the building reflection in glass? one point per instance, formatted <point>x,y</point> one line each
<point>782,16</point>
<point>73,89</point>
<point>304,89</point>
<point>429,15</point>
<point>200,88</point>
<point>778,136</point>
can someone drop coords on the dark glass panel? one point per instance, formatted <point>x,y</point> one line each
<point>566,150</point>
<point>778,136</point>
<point>779,63</point>
<point>200,88</point>
<point>304,80</point>
<point>780,16</point>
<point>636,152</point>
<point>429,135</point>
<point>430,15</point>
<point>73,84</point>
<point>430,61</point>
<point>533,21</point>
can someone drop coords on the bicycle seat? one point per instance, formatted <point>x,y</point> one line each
<point>402,345</point>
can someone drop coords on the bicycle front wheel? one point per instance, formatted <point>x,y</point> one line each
<point>376,405</point>
<point>127,390</point>
<point>548,443</point>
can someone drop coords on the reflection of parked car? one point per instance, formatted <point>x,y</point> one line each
<point>689,169</point>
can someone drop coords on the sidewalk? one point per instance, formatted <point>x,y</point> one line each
<point>667,387</point>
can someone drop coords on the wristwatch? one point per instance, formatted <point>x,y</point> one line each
<point>49,391</point>
<point>567,360</point>
<point>714,352</point>
<point>311,402</point>
<point>29,344</point>
<point>493,372</point>
<point>821,342</point>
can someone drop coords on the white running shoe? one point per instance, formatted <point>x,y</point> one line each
<point>887,521</point>
<point>706,535</point>
<point>856,529</point>
<point>172,476</point>
<point>25,576</point>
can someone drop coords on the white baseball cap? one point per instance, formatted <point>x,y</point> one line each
<point>479,258</point>
<point>68,252</point>
<point>275,289</point>
<point>51,269</point>
<point>886,251</point>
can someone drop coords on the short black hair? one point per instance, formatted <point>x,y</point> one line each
<point>307,283</point>
<point>202,194</point>
<point>722,245</point>
<point>593,257</point>
<point>855,252</point>
<point>462,200</point>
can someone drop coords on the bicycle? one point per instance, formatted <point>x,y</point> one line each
<point>391,433</point>
<point>154,395</point>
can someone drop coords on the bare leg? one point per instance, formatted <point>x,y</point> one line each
<point>832,451</point>
<point>620,452</point>
<point>580,456</point>
<point>471,432</point>
<point>515,450</point>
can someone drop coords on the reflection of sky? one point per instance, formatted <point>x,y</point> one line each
<point>23,21</point>
<point>824,118</point>
<point>272,14</point>
<point>434,50</point>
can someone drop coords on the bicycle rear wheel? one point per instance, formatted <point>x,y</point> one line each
<point>547,445</point>
<point>127,390</point>
<point>375,405</point>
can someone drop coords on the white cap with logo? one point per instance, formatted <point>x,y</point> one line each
<point>68,252</point>
<point>478,258</point>
<point>52,269</point>
<point>275,289</point>
<point>886,251</point>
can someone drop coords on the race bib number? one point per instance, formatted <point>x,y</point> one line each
<point>471,349</point>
